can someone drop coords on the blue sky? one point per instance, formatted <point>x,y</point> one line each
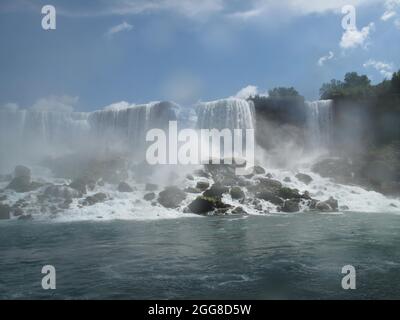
<point>104,52</point>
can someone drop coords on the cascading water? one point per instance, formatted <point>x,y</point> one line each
<point>319,124</point>
<point>226,114</point>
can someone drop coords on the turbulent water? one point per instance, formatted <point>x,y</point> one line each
<point>273,257</point>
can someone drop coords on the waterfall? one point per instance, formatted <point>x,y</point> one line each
<point>319,123</point>
<point>227,113</point>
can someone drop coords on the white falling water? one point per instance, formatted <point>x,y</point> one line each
<point>319,124</point>
<point>229,113</point>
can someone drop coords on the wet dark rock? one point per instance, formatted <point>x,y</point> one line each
<point>306,195</point>
<point>237,193</point>
<point>270,197</point>
<point>291,206</point>
<point>83,184</point>
<point>25,217</point>
<point>151,187</point>
<point>149,196</point>
<point>202,185</point>
<point>327,206</point>
<point>61,192</point>
<point>190,177</point>
<point>269,184</point>
<point>205,205</point>
<point>344,208</point>
<point>288,193</point>
<point>5,211</point>
<point>96,198</point>
<point>258,170</point>
<point>216,191</point>
<point>238,210</point>
<point>192,190</point>
<point>22,171</point>
<point>305,178</point>
<point>23,184</point>
<point>171,197</point>
<point>16,211</point>
<point>287,179</point>
<point>124,187</point>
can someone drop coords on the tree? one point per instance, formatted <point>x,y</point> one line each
<point>395,82</point>
<point>283,92</point>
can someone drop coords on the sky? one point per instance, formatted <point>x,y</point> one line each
<point>104,52</point>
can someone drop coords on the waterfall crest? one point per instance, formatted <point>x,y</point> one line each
<point>229,113</point>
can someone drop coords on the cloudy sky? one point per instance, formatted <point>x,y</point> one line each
<point>105,51</point>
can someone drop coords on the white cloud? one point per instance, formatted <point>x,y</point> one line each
<point>9,107</point>
<point>118,106</point>
<point>56,104</point>
<point>391,10</point>
<point>397,23</point>
<point>354,38</point>
<point>323,59</point>
<point>388,15</point>
<point>124,26</point>
<point>249,91</point>
<point>385,69</point>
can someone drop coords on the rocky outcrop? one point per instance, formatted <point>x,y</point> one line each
<point>22,182</point>
<point>206,205</point>
<point>171,197</point>
<point>305,178</point>
<point>5,211</point>
<point>96,198</point>
<point>237,193</point>
<point>124,187</point>
<point>149,196</point>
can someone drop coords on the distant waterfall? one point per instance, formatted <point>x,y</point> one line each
<point>319,123</point>
<point>227,113</point>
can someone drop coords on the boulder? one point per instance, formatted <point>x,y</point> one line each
<point>192,190</point>
<point>291,206</point>
<point>327,206</point>
<point>23,184</point>
<point>305,178</point>
<point>61,192</point>
<point>239,210</point>
<point>83,184</point>
<point>205,205</point>
<point>124,187</point>
<point>22,171</point>
<point>149,196</point>
<point>288,193</point>
<point>270,197</point>
<point>5,211</point>
<point>216,191</point>
<point>171,197</point>
<point>237,193</point>
<point>96,198</point>
<point>265,184</point>
<point>202,185</point>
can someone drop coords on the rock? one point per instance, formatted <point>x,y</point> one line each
<point>190,177</point>
<point>23,184</point>
<point>306,195</point>
<point>237,193</point>
<point>171,197</point>
<point>288,193</point>
<point>61,192</point>
<point>202,185</point>
<point>258,170</point>
<point>204,205</point>
<point>83,184</point>
<point>291,206</point>
<point>344,208</point>
<point>4,212</point>
<point>323,206</point>
<point>287,179</point>
<point>216,191</point>
<point>201,205</point>
<point>333,203</point>
<point>16,212</point>
<point>26,217</point>
<point>151,187</point>
<point>270,197</point>
<point>305,178</point>
<point>96,198</point>
<point>269,175</point>
<point>192,190</point>
<point>268,184</point>
<point>149,196</point>
<point>22,171</point>
<point>238,210</point>
<point>124,187</point>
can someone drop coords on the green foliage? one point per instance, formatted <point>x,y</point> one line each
<point>357,87</point>
<point>283,92</point>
